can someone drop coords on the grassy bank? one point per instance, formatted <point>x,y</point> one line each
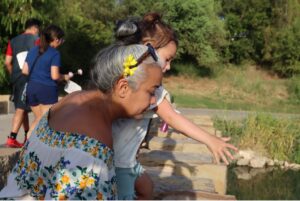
<point>237,89</point>
<point>274,138</point>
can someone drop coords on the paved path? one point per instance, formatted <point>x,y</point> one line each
<point>231,114</point>
<point>5,127</point>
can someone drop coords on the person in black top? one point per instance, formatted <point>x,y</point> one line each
<point>15,55</point>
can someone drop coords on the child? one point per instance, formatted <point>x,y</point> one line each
<point>69,154</point>
<point>132,181</point>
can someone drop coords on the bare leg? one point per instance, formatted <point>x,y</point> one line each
<point>38,112</point>
<point>144,187</point>
<point>26,121</point>
<point>17,120</point>
<point>45,109</point>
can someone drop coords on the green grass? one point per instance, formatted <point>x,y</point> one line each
<point>275,138</point>
<point>237,89</point>
<point>194,101</point>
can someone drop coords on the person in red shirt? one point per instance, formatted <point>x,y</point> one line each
<point>15,56</point>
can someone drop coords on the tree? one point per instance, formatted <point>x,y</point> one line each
<point>266,31</point>
<point>200,29</point>
<point>13,17</point>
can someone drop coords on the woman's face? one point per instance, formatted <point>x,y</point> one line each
<point>57,42</point>
<point>141,98</point>
<point>167,54</point>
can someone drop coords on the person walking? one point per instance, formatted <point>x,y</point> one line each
<point>42,66</point>
<point>16,52</point>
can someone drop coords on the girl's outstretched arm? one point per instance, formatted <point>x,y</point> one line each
<point>218,146</point>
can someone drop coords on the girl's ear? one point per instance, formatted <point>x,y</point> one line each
<point>122,88</point>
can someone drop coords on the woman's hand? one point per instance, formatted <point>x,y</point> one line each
<point>69,76</point>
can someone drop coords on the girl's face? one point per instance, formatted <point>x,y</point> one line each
<point>140,99</point>
<point>167,54</point>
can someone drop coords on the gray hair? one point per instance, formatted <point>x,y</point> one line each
<point>107,67</point>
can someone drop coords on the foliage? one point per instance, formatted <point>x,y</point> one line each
<point>4,82</point>
<point>294,89</point>
<point>201,31</point>
<point>277,138</point>
<point>211,32</point>
<point>88,25</point>
<point>266,31</point>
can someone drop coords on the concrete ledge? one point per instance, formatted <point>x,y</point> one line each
<point>8,158</point>
<point>192,195</point>
<point>6,106</point>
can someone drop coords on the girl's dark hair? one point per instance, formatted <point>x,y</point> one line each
<point>127,32</point>
<point>48,35</point>
<point>151,29</point>
<point>156,31</point>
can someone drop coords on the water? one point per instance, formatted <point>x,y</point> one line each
<point>271,185</point>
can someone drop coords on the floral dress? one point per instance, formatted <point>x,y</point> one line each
<point>62,165</point>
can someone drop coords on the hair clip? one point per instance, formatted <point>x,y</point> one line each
<point>130,65</point>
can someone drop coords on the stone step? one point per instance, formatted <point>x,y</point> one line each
<point>8,158</point>
<point>201,121</point>
<point>192,195</point>
<point>175,158</point>
<point>171,133</point>
<point>165,182</point>
<point>6,106</point>
<point>181,145</point>
<point>216,173</point>
<point>174,134</point>
<point>159,157</point>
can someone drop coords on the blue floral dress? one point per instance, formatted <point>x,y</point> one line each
<point>62,165</point>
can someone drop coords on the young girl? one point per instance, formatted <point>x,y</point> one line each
<point>132,181</point>
<point>69,154</point>
<point>42,65</point>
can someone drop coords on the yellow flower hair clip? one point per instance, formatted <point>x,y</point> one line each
<point>130,66</point>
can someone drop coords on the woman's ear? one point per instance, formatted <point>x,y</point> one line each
<point>122,88</point>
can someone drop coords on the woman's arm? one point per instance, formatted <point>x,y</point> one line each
<point>55,74</point>
<point>218,146</point>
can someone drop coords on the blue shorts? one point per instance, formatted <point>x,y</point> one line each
<point>38,93</point>
<point>126,179</point>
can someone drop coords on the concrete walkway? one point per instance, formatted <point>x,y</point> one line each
<point>5,127</point>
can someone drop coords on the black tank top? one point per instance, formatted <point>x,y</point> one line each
<point>20,43</point>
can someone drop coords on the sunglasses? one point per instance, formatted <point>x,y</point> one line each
<point>150,51</point>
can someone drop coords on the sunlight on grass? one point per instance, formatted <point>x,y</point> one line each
<point>237,89</point>
<point>275,138</point>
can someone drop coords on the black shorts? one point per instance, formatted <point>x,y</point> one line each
<point>18,87</point>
